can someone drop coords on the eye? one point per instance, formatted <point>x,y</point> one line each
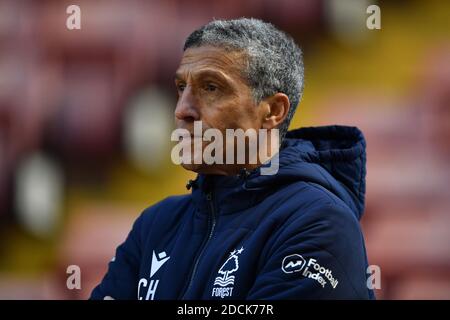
<point>180,87</point>
<point>210,87</point>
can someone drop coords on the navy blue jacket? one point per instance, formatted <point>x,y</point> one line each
<point>292,235</point>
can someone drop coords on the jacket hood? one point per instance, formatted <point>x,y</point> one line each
<point>333,157</point>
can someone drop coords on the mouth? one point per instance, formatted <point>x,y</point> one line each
<point>191,136</point>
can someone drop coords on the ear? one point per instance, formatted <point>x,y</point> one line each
<point>275,110</point>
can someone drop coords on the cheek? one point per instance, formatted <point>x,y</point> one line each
<point>246,114</point>
<point>231,113</point>
<point>228,117</point>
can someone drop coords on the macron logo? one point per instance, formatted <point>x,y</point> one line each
<point>158,261</point>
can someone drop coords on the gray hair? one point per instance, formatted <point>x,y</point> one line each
<point>274,64</point>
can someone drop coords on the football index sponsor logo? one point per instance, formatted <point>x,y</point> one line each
<point>293,263</point>
<point>309,269</point>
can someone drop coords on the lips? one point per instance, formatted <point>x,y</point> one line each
<point>192,135</point>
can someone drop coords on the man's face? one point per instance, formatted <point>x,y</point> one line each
<point>211,89</point>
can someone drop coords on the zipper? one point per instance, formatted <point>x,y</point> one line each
<point>211,227</point>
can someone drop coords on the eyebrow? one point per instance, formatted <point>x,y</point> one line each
<point>205,73</point>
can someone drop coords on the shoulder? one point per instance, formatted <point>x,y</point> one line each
<point>322,229</point>
<point>311,212</point>
<point>167,205</point>
<point>312,202</point>
<point>164,211</point>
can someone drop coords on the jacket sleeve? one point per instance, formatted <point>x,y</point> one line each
<point>319,254</point>
<point>123,270</point>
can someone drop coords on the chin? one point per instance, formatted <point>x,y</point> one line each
<point>193,167</point>
<point>210,169</point>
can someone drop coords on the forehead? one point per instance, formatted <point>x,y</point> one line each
<point>211,58</point>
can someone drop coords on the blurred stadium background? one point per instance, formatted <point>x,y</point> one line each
<point>85,117</point>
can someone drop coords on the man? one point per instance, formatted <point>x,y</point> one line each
<point>242,234</point>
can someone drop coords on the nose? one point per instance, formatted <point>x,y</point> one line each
<point>186,108</point>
